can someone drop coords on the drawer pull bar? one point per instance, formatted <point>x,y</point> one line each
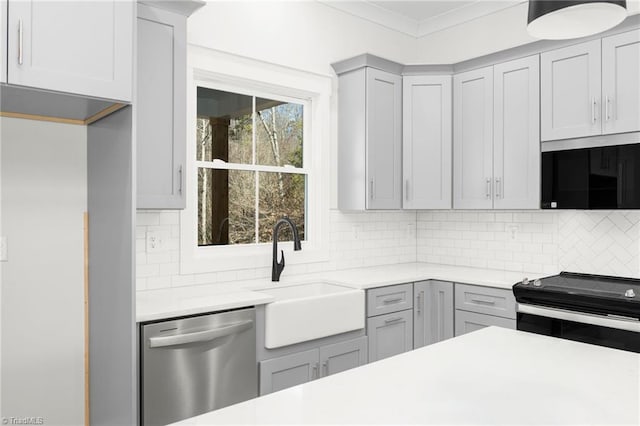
<point>394,300</point>
<point>391,320</point>
<point>484,302</point>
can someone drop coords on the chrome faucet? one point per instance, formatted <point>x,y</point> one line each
<point>277,267</point>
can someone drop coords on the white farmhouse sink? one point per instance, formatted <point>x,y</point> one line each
<point>311,311</point>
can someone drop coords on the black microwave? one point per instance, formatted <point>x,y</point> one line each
<point>605,177</point>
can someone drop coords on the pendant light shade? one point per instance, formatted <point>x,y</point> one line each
<point>558,20</point>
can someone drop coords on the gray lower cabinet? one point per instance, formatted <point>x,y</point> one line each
<point>301,367</point>
<point>290,370</point>
<point>467,322</point>
<point>390,334</point>
<point>343,356</point>
<point>478,307</point>
<point>433,312</point>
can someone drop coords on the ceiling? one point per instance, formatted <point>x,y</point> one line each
<point>418,18</point>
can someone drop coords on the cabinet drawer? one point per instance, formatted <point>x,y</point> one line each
<point>393,298</point>
<point>486,300</point>
<point>466,322</point>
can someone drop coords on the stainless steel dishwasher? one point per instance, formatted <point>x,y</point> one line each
<point>194,365</point>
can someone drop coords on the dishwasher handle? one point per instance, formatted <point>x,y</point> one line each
<point>200,336</point>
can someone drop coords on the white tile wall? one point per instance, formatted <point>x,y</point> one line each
<point>356,239</point>
<point>599,242</point>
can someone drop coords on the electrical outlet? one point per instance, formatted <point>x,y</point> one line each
<point>357,230</point>
<point>3,249</point>
<point>410,230</point>
<point>513,231</point>
<point>157,241</point>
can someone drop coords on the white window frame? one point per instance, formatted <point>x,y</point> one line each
<point>221,71</point>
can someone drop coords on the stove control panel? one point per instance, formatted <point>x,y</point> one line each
<point>630,293</point>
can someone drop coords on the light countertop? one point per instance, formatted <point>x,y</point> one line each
<point>168,303</point>
<point>493,376</point>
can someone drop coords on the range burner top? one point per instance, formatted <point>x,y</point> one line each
<point>597,294</point>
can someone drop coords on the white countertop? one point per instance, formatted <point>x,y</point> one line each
<point>492,376</point>
<point>168,303</point>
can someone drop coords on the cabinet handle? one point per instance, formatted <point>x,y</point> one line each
<point>488,188</point>
<point>325,367</point>
<point>394,300</point>
<point>406,189</point>
<point>419,301</point>
<point>180,180</point>
<point>20,42</point>
<point>314,372</point>
<point>371,189</point>
<point>484,302</point>
<point>391,320</point>
<point>498,188</point>
<point>606,108</point>
<point>593,110</point>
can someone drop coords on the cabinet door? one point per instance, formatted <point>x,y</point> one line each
<point>621,82</point>
<point>466,322</point>
<point>82,47</point>
<point>3,41</point>
<point>426,142</point>
<point>343,356</point>
<point>390,334</point>
<point>516,134</point>
<point>570,92</point>
<point>384,139</point>
<point>161,100</point>
<point>290,370</point>
<point>433,312</point>
<point>473,139</point>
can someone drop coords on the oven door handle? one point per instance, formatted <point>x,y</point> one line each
<point>619,323</point>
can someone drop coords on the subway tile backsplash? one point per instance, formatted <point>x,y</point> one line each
<point>601,242</point>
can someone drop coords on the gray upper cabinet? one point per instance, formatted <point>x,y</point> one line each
<point>570,81</point>
<point>343,356</point>
<point>496,136</point>
<point>3,41</point>
<point>369,140</point>
<point>516,134</point>
<point>621,83</point>
<point>390,334</point>
<point>426,142</point>
<point>161,101</point>
<point>432,313</point>
<point>473,139</point>
<point>290,370</point>
<point>83,48</point>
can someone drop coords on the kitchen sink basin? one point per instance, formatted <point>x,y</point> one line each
<point>311,311</point>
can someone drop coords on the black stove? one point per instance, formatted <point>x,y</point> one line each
<point>597,294</point>
<point>595,309</point>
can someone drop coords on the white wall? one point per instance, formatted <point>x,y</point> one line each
<point>305,35</point>
<point>44,196</point>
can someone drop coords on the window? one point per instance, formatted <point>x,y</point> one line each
<point>250,165</point>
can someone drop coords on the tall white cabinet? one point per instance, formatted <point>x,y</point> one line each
<point>161,100</point>
<point>473,139</point>
<point>496,136</point>
<point>3,41</point>
<point>426,142</point>
<point>621,83</point>
<point>591,88</point>
<point>370,140</point>
<point>87,49</point>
